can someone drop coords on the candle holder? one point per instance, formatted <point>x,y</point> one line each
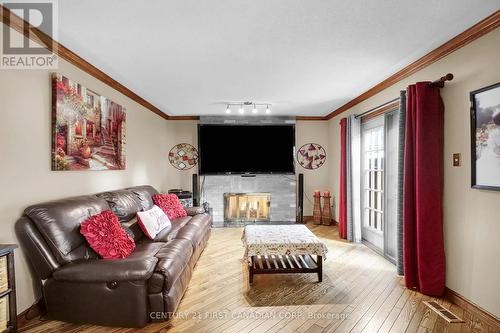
<point>326,215</point>
<point>317,208</point>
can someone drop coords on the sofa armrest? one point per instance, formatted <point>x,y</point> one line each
<point>192,211</point>
<point>110,270</point>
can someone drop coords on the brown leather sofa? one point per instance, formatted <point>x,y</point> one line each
<point>79,287</point>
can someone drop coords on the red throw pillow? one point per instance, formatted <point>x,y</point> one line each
<point>170,204</point>
<point>105,236</point>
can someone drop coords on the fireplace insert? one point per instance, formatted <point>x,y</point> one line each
<point>247,207</point>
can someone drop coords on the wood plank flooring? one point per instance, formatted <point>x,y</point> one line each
<point>360,292</point>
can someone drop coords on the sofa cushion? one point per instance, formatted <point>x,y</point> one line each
<point>124,204</point>
<point>133,229</point>
<point>59,223</point>
<point>202,221</point>
<point>179,249</point>
<point>145,250</point>
<point>192,233</point>
<point>173,259</point>
<point>144,195</point>
<point>106,236</point>
<point>168,235</point>
<point>98,270</point>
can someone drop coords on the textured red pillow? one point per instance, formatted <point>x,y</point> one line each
<point>105,236</point>
<point>170,204</point>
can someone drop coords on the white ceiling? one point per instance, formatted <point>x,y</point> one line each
<point>307,57</point>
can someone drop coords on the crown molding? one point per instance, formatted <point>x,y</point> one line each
<point>301,118</point>
<point>312,118</point>
<point>38,36</point>
<point>183,118</point>
<point>478,30</point>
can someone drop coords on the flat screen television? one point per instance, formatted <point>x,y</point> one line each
<point>246,149</point>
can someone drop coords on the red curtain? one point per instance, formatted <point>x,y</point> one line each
<point>424,258</point>
<point>343,180</point>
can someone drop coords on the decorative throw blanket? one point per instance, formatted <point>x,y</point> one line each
<point>281,240</point>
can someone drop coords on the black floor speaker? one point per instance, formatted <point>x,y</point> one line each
<point>300,199</point>
<point>196,191</point>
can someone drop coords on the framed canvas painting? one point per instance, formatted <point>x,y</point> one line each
<point>88,130</point>
<point>485,137</point>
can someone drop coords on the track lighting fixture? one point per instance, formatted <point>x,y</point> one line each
<point>242,105</point>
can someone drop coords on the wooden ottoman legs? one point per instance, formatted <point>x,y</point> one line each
<point>319,262</point>
<point>250,270</point>
<point>281,264</point>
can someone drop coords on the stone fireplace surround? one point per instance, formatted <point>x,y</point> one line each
<point>281,187</point>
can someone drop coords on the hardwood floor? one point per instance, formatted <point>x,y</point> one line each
<point>360,292</point>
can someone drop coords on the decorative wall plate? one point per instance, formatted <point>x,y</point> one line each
<point>311,156</point>
<point>183,156</point>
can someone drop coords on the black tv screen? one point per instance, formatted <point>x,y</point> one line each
<point>240,149</point>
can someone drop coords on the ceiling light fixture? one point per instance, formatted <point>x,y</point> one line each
<point>242,105</point>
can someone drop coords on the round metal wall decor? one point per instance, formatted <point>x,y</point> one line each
<point>183,156</point>
<point>311,156</point>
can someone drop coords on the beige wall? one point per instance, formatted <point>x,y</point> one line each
<point>471,217</point>
<point>313,132</point>
<point>25,145</point>
<point>181,131</point>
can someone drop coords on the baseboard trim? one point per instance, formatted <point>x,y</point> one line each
<point>37,310</point>
<point>472,310</point>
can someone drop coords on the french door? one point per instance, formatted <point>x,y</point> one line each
<point>372,226</point>
<point>379,165</point>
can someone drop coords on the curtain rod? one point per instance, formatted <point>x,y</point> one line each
<point>439,83</point>
<point>376,108</point>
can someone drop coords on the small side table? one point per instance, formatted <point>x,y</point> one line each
<point>8,290</point>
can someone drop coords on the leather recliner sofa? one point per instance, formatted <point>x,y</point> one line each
<point>79,287</point>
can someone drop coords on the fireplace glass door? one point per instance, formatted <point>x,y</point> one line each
<point>243,207</point>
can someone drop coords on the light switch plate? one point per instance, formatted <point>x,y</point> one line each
<point>456,159</point>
